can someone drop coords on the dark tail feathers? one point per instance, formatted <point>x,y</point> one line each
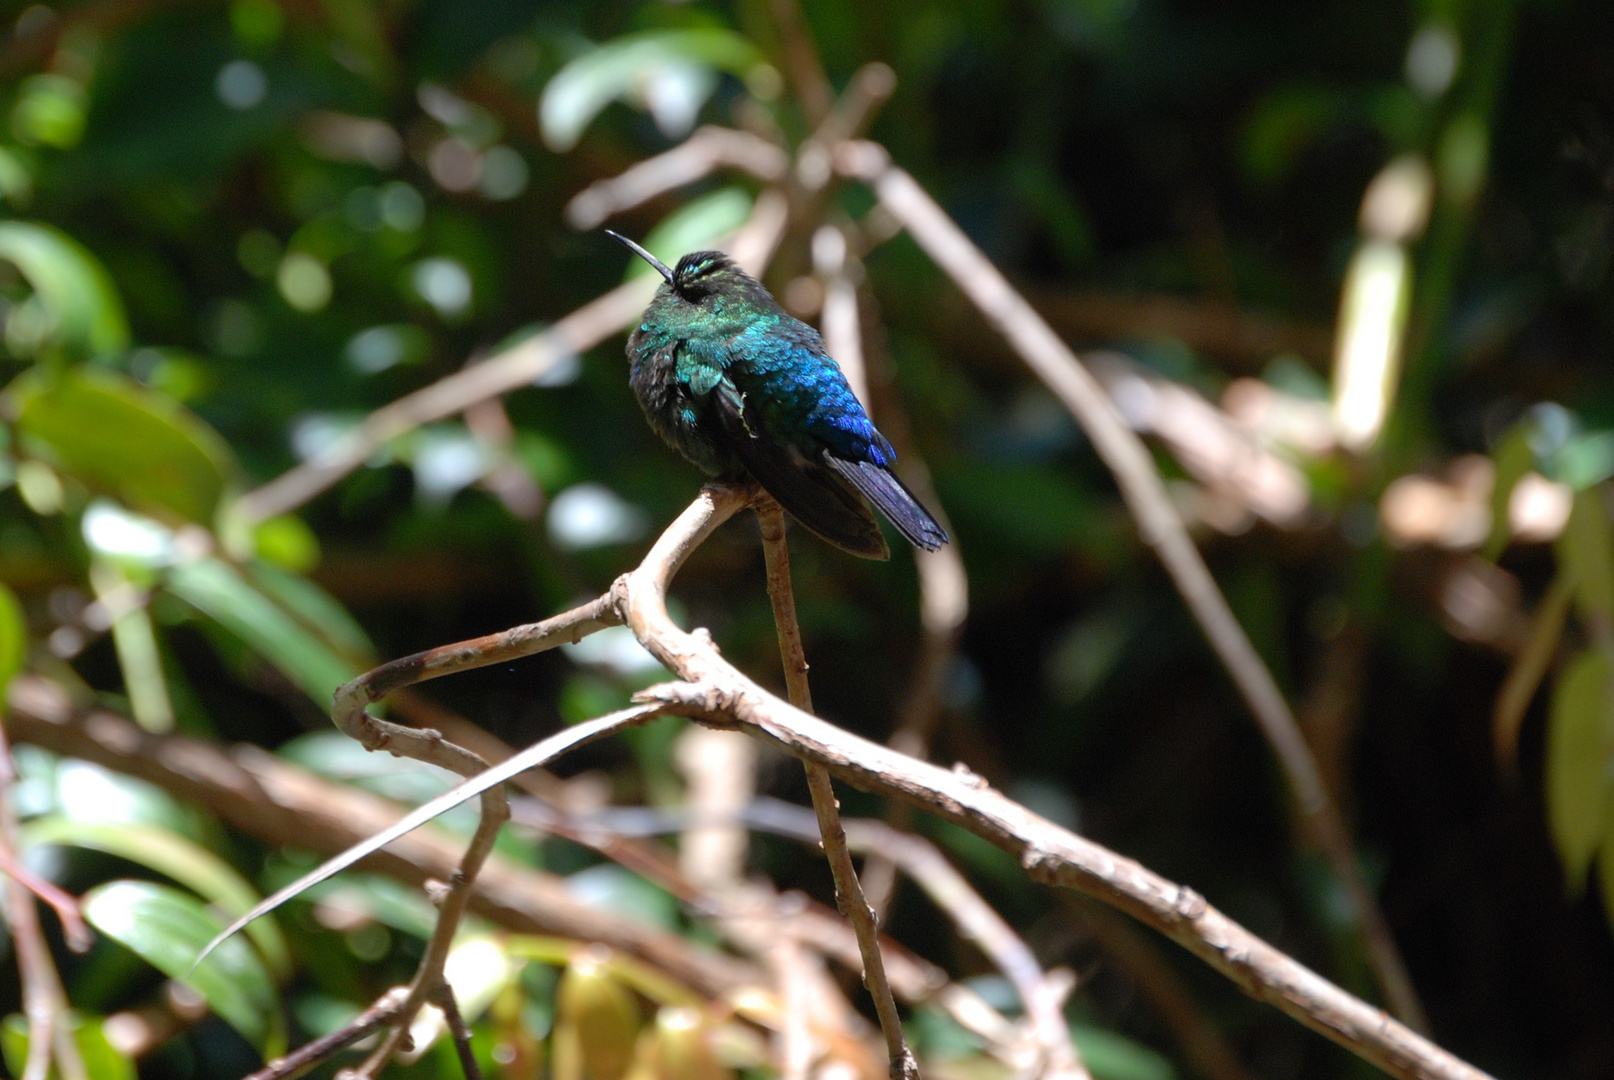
<point>895,501</point>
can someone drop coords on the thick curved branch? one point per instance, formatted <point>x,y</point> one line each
<point>716,692</point>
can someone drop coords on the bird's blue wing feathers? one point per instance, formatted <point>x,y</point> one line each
<point>803,394</point>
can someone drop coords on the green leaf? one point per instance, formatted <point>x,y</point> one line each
<point>622,68</point>
<point>101,1061</point>
<point>385,900</point>
<point>1109,1056</point>
<point>1586,550</point>
<point>218,591</point>
<point>85,315</point>
<point>697,224</point>
<point>1283,125</point>
<point>85,791</point>
<point>286,541</point>
<point>1513,456</point>
<point>171,855</point>
<point>316,608</point>
<point>1580,750</point>
<point>117,437</point>
<point>1585,460</point>
<point>168,928</point>
<point>13,637</point>
<point>613,888</point>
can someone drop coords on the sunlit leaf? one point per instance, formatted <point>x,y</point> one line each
<point>85,314</point>
<point>627,67</point>
<point>117,437</point>
<point>596,1022</point>
<point>644,979</point>
<point>1585,460</point>
<point>168,928</point>
<point>680,1047</point>
<point>13,637</point>
<point>1586,550</point>
<point>171,855</point>
<point>85,791</point>
<point>219,591</point>
<point>134,638</point>
<point>1580,746</point>
<point>101,1061</point>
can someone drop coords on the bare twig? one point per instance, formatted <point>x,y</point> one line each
<point>458,1030</point>
<point>703,153</point>
<point>716,693</point>
<point>1159,525</point>
<point>429,983</point>
<point>789,963</point>
<point>74,930</point>
<point>719,769</point>
<point>526,640</point>
<point>44,1002</point>
<point>384,1010</point>
<point>805,70</point>
<point>848,893</point>
<point>870,87</point>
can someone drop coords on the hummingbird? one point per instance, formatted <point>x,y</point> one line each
<point>740,387</point>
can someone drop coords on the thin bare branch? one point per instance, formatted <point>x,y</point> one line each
<point>708,150</point>
<point>848,893</point>
<point>44,1002</point>
<point>458,1030</point>
<point>74,930</point>
<point>381,1012</point>
<point>1053,362</point>
<point>802,65</point>
<point>430,984</point>
<point>525,640</point>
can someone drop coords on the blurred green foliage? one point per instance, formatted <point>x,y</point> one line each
<point>234,230</point>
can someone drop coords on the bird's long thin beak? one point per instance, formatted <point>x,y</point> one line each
<point>661,267</point>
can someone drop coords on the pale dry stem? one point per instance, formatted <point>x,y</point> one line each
<point>848,893</point>
<point>1158,523</point>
